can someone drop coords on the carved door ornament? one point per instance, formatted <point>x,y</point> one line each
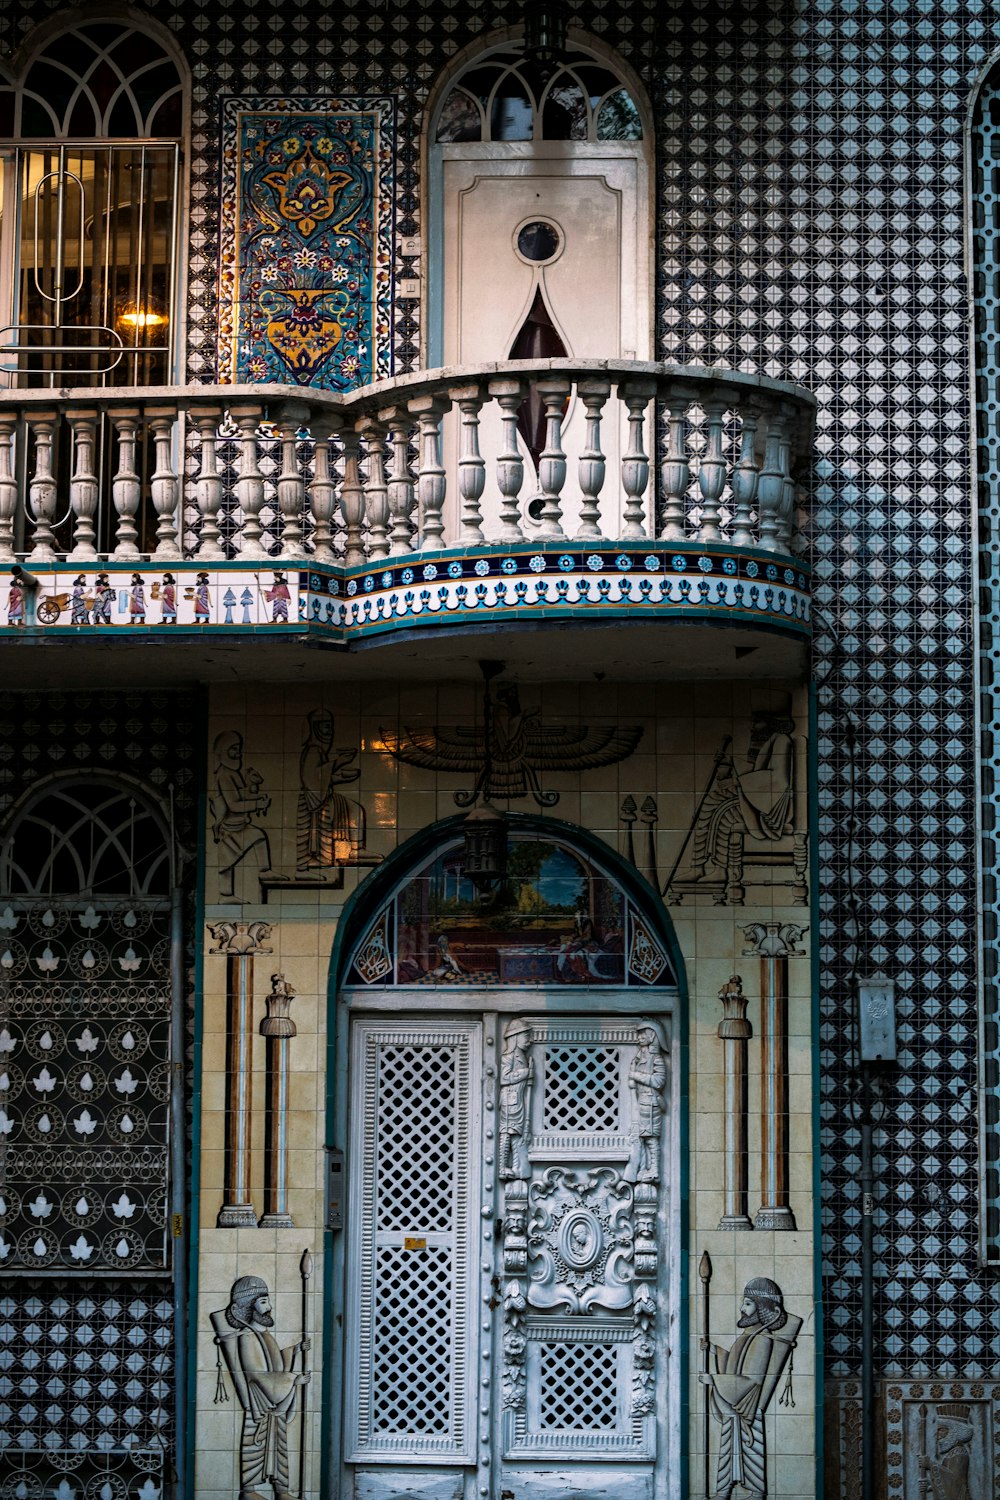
<point>581,1117</point>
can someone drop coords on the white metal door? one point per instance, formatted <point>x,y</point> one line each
<point>414,1158</point>
<point>507,1304</point>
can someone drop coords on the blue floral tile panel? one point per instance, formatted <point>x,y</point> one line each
<point>305,277</point>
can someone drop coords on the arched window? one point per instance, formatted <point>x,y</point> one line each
<point>85,1046</point>
<point>88,216</point>
<point>504,96</point>
<point>556,918</point>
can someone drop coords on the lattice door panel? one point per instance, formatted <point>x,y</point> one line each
<point>582,1088</point>
<point>582,1400</point>
<point>414,1157</point>
<point>583,1099</point>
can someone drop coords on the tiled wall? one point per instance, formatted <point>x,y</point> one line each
<point>683,728</point>
<point>84,1354</point>
<point>810,218</point>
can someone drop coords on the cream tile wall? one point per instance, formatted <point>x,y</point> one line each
<point>683,729</point>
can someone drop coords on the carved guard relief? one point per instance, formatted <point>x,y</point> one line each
<point>582,1104</point>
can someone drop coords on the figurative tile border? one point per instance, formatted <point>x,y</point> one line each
<point>349,604</point>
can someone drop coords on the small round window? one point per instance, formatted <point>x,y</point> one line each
<point>538,241</point>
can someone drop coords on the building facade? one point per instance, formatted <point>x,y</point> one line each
<point>497,859</point>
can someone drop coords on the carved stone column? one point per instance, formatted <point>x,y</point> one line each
<point>774,943</point>
<point>735,1032</point>
<point>277,1028</point>
<point>239,941</point>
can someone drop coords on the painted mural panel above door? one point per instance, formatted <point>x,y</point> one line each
<point>305,271</point>
<point>556,919</point>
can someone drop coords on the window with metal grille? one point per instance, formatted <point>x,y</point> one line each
<point>89,208</point>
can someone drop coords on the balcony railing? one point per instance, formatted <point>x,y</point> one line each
<point>439,459</point>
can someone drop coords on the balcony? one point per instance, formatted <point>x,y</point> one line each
<point>412,516</point>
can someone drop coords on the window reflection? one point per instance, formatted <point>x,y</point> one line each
<point>518,101</point>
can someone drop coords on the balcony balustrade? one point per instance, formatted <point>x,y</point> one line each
<point>428,462</point>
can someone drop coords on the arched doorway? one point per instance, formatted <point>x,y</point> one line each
<point>507,1102</point>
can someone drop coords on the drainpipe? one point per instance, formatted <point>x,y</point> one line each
<point>178,1225</point>
<point>867,1298</point>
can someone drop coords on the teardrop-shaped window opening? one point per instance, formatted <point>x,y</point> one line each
<point>538,338</point>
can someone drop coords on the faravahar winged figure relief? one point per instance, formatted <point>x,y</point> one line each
<point>512,748</point>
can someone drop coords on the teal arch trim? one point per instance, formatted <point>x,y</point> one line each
<point>359,911</point>
<point>983,248</point>
<point>817,1032</point>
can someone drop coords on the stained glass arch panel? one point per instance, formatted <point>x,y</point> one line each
<point>558,919</point>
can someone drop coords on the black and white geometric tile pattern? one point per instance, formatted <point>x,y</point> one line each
<point>810,226</point>
<point>86,1365</point>
<point>86,1389</point>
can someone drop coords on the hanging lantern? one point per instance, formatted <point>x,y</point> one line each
<point>485,859</point>
<point>544,30</point>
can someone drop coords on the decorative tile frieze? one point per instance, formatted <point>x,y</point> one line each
<point>734,587</point>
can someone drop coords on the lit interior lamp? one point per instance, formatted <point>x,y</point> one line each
<point>142,318</point>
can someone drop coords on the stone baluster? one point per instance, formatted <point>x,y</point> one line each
<point>744,479</point>
<point>552,462</point>
<point>402,491</point>
<point>291,487</point>
<point>376,489</point>
<point>352,499</point>
<point>432,481</point>
<point>249,488</point>
<point>83,483</point>
<point>771,487</point>
<point>471,466</point>
<point>323,487</point>
<point>42,493</point>
<point>712,473</point>
<point>208,491</point>
<point>125,486</point>
<point>676,471</point>
<point>510,465</point>
<point>594,395</point>
<point>637,395</point>
<point>8,486</point>
<point>163,485</point>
